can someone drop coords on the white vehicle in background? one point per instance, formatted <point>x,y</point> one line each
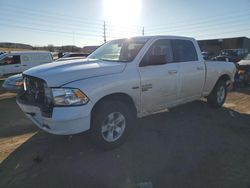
<point>16,62</point>
<point>69,58</point>
<point>75,54</point>
<point>121,80</point>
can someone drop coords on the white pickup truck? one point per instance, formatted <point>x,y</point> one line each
<point>122,80</point>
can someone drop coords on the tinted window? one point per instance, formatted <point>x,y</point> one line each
<point>184,50</point>
<point>160,50</point>
<point>11,59</point>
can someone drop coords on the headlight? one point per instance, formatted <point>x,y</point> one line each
<point>68,96</point>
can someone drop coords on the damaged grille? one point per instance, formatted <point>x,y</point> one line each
<point>34,94</point>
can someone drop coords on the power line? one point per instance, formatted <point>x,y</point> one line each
<point>55,31</point>
<point>46,13</point>
<point>205,27</point>
<point>131,25</point>
<point>203,23</point>
<point>188,22</point>
<point>122,28</point>
<point>49,18</point>
<point>74,26</point>
<point>48,30</point>
<point>219,33</point>
<point>85,30</point>
<point>68,26</point>
<point>55,22</point>
<point>60,16</point>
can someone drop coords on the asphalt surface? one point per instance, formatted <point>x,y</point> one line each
<point>190,146</point>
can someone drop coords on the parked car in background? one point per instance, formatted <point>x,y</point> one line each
<point>13,83</point>
<point>121,80</point>
<point>208,55</point>
<point>69,58</point>
<point>73,54</point>
<point>232,55</point>
<point>2,53</point>
<point>244,70</point>
<point>16,62</point>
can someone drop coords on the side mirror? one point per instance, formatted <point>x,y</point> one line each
<point>154,60</point>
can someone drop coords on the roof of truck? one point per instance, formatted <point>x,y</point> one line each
<point>162,36</point>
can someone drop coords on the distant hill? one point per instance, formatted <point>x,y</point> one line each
<point>15,45</point>
<point>51,48</point>
<point>12,46</point>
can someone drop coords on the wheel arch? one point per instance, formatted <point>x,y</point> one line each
<point>227,79</point>
<point>224,77</point>
<point>122,97</point>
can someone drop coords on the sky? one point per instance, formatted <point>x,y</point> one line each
<point>81,22</point>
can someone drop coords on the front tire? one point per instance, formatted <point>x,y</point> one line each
<point>218,96</point>
<point>111,124</point>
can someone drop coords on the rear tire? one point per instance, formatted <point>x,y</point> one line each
<point>218,96</point>
<point>111,124</point>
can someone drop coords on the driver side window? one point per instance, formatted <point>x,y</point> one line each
<point>11,59</point>
<point>158,54</point>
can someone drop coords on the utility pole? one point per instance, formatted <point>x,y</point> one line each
<point>104,31</point>
<point>142,31</point>
<point>73,38</point>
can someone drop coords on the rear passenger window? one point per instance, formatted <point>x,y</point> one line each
<point>184,50</point>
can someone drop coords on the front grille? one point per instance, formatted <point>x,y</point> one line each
<point>34,94</point>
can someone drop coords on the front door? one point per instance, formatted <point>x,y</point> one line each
<point>159,77</point>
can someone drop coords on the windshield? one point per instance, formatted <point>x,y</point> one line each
<point>247,57</point>
<point>123,50</point>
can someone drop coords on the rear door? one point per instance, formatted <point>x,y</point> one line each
<point>11,64</point>
<point>192,70</point>
<point>159,77</point>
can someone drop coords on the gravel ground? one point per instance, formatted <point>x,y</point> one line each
<point>192,145</point>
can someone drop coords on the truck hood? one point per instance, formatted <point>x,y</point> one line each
<point>59,73</point>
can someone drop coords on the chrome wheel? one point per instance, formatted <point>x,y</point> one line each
<point>113,126</point>
<point>221,94</point>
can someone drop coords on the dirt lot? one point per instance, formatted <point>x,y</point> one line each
<point>193,145</point>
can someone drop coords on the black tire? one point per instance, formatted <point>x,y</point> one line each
<point>101,115</point>
<point>215,99</point>
<point>246,83</point>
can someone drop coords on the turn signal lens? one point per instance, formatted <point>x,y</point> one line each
<point>241,72</point>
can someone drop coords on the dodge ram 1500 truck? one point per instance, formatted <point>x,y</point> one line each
<point>122,80</point>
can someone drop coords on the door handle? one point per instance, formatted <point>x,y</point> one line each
<point>199,68</point>
<point>17,66</point>
<point>172,71</point>
<point>24,65</point>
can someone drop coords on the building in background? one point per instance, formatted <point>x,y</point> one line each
<point>216,45</point>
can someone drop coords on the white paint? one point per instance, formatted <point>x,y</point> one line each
<point>191,81</point>
<point>28,59</point>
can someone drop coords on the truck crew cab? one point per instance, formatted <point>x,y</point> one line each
<point>122,80</point>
